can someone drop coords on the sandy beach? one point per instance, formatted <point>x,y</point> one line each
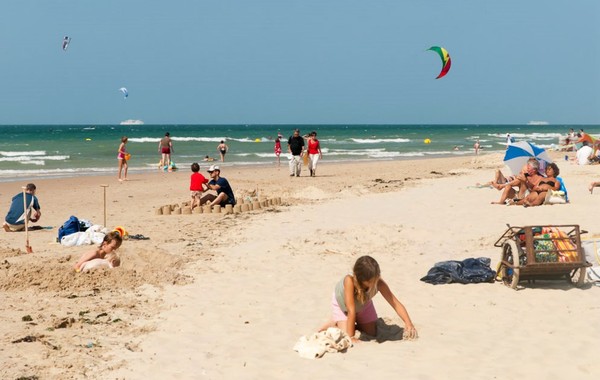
<point>227,296</point>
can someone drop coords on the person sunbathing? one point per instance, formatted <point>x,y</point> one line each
<point>523,181</point>
<point>538,193</point>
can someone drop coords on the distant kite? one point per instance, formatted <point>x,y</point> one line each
<point>446,61</point>
<point>124,91</point>
<point>66,42</point>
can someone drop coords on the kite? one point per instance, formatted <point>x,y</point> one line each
<point>124,91</point>
<point>66,42</point>
<point>446,61</point>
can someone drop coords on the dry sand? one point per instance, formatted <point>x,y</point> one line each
<point>227,296</point>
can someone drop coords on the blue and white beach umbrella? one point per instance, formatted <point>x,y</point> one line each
<point>518,153</point>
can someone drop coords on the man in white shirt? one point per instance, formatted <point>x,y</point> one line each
<point>584,154</point>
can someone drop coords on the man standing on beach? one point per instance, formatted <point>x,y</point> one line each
<point>15,219</point>
<point>296,149</point>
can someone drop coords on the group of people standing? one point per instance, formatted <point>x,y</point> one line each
<point>298,150</point>
<point>302,149</point>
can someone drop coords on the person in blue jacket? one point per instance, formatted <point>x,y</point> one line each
<point>15,219</point>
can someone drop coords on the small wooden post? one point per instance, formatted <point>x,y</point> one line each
<point>104,189</point>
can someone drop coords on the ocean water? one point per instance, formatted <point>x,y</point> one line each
<point>72,150</point>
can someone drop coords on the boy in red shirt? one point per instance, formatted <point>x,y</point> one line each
<point>197,185</point>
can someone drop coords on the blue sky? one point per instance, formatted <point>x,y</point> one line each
<point>303,61</point>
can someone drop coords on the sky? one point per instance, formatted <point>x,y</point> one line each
<point>299,61</point>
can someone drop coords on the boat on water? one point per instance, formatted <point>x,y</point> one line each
<point>131,122</point>
<point>538,122</point>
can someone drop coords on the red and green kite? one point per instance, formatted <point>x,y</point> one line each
<point>446,61</point>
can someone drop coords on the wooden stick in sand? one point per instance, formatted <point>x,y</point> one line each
<point>27,246</point>
<point>104,187</point>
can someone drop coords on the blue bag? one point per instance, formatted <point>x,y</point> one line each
<point>69,227</point>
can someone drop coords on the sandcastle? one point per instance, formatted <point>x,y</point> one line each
<point>245,205</point>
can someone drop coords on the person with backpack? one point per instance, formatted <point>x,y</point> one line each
<point>15,219</point>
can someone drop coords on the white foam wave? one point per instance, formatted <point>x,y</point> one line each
<point>529,136</point>
<point>31,153</point>
<point>375,141</point>
<point>27,159</point>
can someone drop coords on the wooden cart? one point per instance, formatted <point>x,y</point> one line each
<point>529,254</point>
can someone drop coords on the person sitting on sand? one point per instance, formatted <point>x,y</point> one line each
<point>15,218</point>
<point>111,242</point>
<point>197,185</point>
<point>500,180</point>
<point>221,186</point>
<point>524,182</point>
<point>111,260</point>
<point>352,301</point>
<point>537,194</point>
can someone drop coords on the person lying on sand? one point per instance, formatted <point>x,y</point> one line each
<point>112,241</point>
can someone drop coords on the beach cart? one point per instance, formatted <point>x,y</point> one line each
<point>550,252</point>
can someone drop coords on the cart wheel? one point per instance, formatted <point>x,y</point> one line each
<point>577,276</point>
<point>510,254</point>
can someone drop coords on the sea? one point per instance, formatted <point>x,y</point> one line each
<point>34,151</point>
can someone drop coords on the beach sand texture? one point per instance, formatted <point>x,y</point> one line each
<point>227,296</point>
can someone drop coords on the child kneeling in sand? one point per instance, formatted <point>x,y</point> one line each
<point>352,302</point>
<point>112,241</point>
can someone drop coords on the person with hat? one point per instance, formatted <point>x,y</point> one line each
<point>221,186</point>
<point>15,219</point>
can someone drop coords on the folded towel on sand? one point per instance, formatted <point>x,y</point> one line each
<point>316,345</point>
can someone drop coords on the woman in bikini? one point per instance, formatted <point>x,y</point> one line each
<point>222,148</point>
<point>122,160</point>
<point>537,194</point>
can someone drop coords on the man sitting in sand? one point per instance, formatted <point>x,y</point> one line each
<point>500,180</point>
<point>15,219</point>
<point>221,186</point>
<point>525,182</point>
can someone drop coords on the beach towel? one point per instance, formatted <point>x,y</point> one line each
<point>316,345</point>
<point>555,197</point>
<point>591,248</point>
<point>93,235</point>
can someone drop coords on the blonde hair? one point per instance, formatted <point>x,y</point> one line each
<point>113,259</point>
<point>366,268</point>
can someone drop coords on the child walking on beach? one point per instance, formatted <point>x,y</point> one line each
<point>197,185</point>
<point>112,241</point>
<point>352,302</point>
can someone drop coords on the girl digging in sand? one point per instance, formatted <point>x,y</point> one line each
<point>353,305</point>
<point>112,241</point>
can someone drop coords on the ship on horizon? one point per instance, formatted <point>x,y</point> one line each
<point>538,122</point>
<point>131,122</point>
